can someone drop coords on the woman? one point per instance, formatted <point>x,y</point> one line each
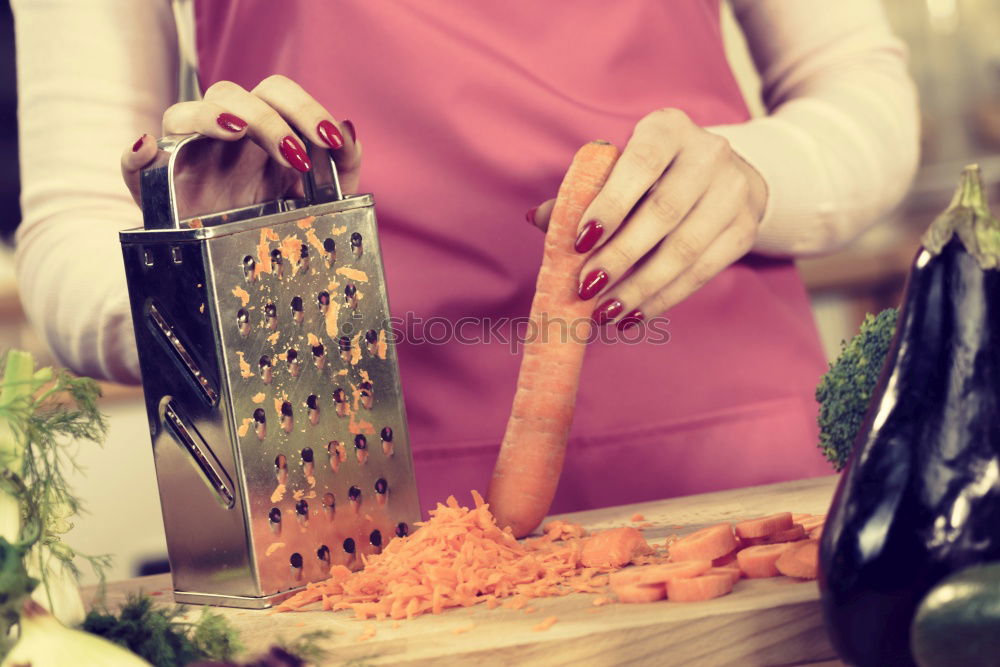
<point>469,113</point>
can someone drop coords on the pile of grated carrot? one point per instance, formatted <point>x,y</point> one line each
<point>459,558</point>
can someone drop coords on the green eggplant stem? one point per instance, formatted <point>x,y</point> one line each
<point>969,217</point>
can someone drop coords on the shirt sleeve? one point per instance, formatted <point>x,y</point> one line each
<point>839,145</point>
<point>92,77</point>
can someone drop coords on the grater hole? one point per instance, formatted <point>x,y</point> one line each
<point>270,316</point>
<point>376,538</point>
<point>349,545</point>
<point>344,343</point>
<point>147,258</point>
<point>260,423</point>
<point>307,455</point>
<point>281,468</point>
<point>277,262</point>
<point>294,365</point>
<point>312,403</point>
<point>351,296</point>
<point>287,422</point>
<point>337,454</point>
<point>371,341</point>
<point>243,321</point>
<point>266,370</point>
<point>297,310</point>
<point>302,508</point>
<point>381,486</point>
<point>323,553</point>
<point>386,436</point>
<point>319,356</point>
<point>367,396</point>
<point>354,495</point>
<point>274,520</point>
<point>360,441</point>
<point>329,251</point>
<point>328,505</point>
<point>304,258</point>
<point>357,244</point>
<point>402,530</point>
<point>249,266</point>
<point>323,301</point>
<point>296,560</point>
<point>340,401</point>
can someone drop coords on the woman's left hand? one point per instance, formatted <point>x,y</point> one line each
<point>678,208</point>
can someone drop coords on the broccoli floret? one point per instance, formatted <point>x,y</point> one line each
<point>845,392</point>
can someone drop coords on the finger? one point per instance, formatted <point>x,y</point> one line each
<point>539,216</point>
<point>205,118</point>
<point>654,143</point>
<point>671,199</point>
<point>730,246</point>
<point>721,205</point>
<point>265,125</point>
<point>313,121</point>
<point>134,158</point>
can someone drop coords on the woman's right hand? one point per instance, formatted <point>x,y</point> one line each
<point>273,116</point>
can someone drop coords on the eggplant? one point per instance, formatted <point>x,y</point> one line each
<point>920,497</point>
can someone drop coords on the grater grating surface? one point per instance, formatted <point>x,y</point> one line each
<point>272,388</point>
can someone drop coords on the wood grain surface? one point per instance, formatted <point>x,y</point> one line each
<point>763,622</point>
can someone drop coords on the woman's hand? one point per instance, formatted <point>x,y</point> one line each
<point>678,208</point>
<point>273,116</point>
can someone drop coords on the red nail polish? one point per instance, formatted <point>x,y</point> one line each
<point>632,319</point>
<point>138,144</point>
<point>592,283</point>
<point>228,121</point>
<point>350,128</point>
<point>329,133</point>
<point>607,311</point>
<point>530,215</point>
<point>294,152</point>
<point>589,235</point>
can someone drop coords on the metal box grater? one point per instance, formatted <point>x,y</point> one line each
<point>271,385</point>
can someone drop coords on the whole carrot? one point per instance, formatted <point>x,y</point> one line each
<point>534,445</point>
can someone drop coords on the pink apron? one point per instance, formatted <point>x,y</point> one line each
<point>469,112</point>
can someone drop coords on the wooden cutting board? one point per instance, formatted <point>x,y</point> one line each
<point>763,622</point>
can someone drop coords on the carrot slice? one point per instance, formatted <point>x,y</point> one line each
<point>658,574</point>
<point>758,562</point>
<point>696,589</point>
<point>764,525</point>
<point>796,532</point>
<point>634,593</point>
<point>705,544</point>
<point>727,561</point>
<point>534,445</point>
<point>800,560</point>
<point>613,548</point>
<point>731,572</point>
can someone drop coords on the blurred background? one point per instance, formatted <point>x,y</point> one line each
<point>955,60</point>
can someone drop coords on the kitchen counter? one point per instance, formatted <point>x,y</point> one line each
<point>763,622</point>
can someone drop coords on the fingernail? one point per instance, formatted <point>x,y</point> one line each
<point>530,215</point>
<point>630,320</point>
<point>228,121</point>
<point>607,311</point>
<point>293,151</point>
<point>592,283</point>
<point>350,128</point>
<point>329,133</point>
<point>589,235</point>
<point>138,144</point>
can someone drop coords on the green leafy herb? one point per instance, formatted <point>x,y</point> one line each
<point>161,636</point>
<point>306,646</point>
<point>845,391</point>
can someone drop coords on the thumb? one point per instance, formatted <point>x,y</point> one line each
<point>539,216</point>
<point>134,158</point>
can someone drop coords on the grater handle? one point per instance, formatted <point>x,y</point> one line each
<point>158,193</point>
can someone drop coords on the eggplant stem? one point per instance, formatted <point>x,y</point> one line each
<point>969,217</point>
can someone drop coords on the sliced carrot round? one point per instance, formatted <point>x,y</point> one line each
<point>636,593</point>
<point>613,548</point>
<point>729,560</point>
<point>759,561</point>
<point>705,544</point>
<point>800,560</point>
<point>657,574</point>
<point>765,525</point>
<point>705,587</point>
